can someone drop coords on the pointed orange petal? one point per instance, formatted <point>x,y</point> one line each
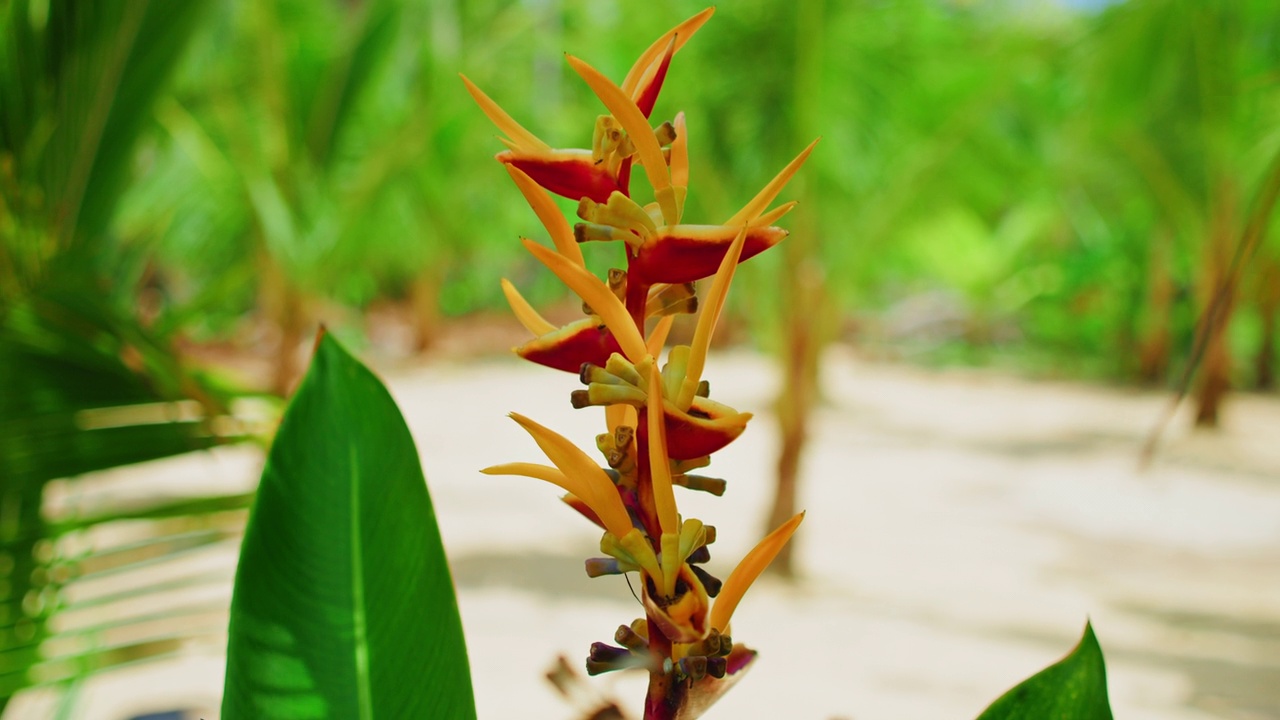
<point>708,316</point>
<point>664,497</point>
<point>682,33</point>
<point>774,215</point>
<point>596,294</point>
<point>680,153</point>
<point>748,570</point>
<point>753,209</point>
<point>583,509</point>
<point>576,488</point>
<point>525,139</point>
<point>545,208</point>
<point>616,416</point>
<point>593,485</point>
<point>541,472</point>
<point>658,337</point>
<point>524,312</point>
<point>636,124</point>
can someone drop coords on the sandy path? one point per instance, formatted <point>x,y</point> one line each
<point>961,528</point>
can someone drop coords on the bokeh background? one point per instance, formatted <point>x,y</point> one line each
<point>1028,226</point>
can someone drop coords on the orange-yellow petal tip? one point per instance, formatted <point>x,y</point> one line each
<point>664,498</point>
<point>749,569</point>
<point>757,205</point>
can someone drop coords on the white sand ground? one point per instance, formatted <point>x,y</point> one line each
<point>961,527</point>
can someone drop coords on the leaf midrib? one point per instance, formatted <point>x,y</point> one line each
<point>364,693</point>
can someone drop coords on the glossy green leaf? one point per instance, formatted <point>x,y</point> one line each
<point>1074,688</point>
<point>343,604</point>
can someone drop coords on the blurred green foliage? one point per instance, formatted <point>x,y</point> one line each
<point>1020,176</point>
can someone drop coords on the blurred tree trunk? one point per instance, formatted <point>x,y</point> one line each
<point>1218,300</point>
<point>804,303</point>
<point>424,301</point>
<point>1153,353</point>
<point>1268,294</point>
<point>805,334</point>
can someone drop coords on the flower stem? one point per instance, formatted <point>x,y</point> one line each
<point>665,695</point>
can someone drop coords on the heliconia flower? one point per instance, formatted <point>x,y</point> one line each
<point>661,422</point>
<point>578,173</point>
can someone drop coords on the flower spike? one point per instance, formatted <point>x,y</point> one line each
<point>596,294</point>
<point>748,570</point>
<point>661,422</point>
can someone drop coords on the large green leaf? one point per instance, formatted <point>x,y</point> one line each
<point>343,604</point>
<point>1074,688</point>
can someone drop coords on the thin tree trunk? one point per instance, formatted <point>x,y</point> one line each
<point>804,340</point>
<point>1153,355</point>
<point>804,294</point>
<point>1268,308</point>
<point>1218,299</point>
<point>424,301</point>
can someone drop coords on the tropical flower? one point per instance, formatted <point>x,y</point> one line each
<point>661,423</point>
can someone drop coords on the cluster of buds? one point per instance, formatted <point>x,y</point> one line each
<point>661,422</point>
